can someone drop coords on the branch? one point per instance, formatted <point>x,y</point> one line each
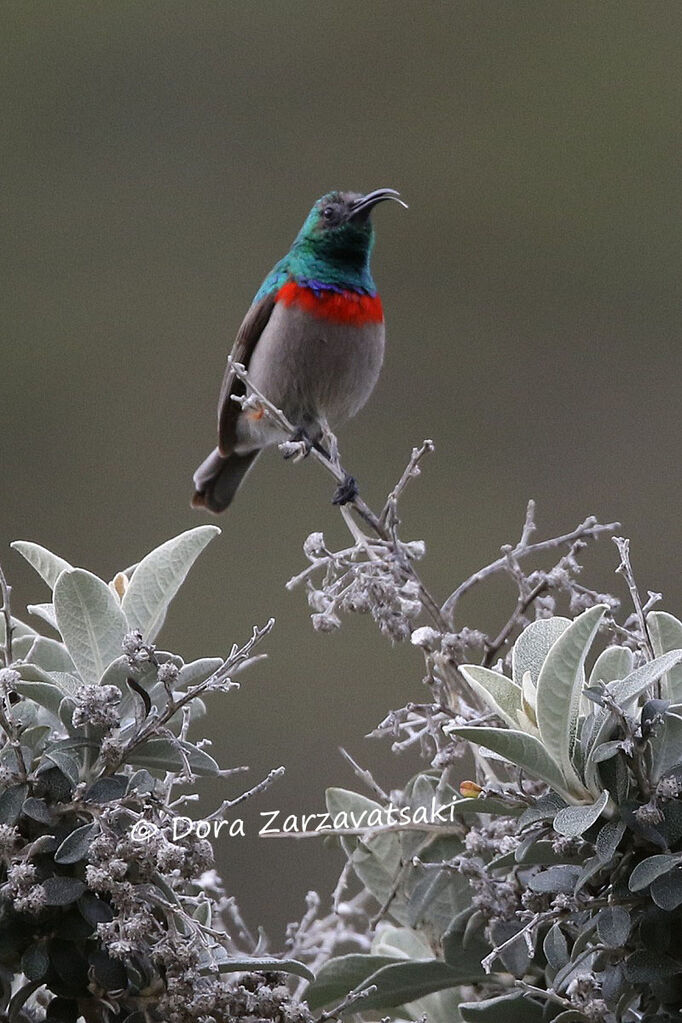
<point>625,568</point>
<point>590,529</point>
<point>227,804</point>
<point>384,525</point>
<point>330,463</point>
<point>389,514</point>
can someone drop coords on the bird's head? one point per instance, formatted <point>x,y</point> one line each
<point>338,227</point>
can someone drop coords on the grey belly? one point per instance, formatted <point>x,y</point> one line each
<point>313,370</point>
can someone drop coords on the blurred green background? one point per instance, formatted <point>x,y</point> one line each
<point>159,157</point>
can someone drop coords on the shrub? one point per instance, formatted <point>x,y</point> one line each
<point>546,885</point>
<point>104,913</point>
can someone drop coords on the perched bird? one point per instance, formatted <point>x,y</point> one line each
<point>312,342</point>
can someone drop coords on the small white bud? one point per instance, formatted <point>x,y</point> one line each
<point>326,622</point>
<point>319,600</point>
<point>314,546</point>
<point>426,637</point>
<point>410,608</point>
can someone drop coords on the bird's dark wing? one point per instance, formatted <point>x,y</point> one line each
<point>242,350</point>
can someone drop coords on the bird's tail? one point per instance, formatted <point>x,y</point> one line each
<point>217,479</point>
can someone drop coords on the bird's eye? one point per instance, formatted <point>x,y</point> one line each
<point>328,212</point>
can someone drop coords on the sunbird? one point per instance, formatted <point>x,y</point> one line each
<point>312,342</point>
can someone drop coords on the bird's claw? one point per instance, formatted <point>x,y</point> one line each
<point>298,446</point>
<point>346,491</point>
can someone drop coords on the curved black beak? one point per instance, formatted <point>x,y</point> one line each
<point>365,203</point>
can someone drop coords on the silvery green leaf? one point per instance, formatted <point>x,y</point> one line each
<point>666,891</point>
<point>142,781</point>
<point>21,646</point>
<point>159,576</point>
<point>196,672</point>
<point>666,634</point>
<point>613,663</point>
<point>62,891</point>
<point>37,810</point>
<point>484,804</point>
<point>608,839</point>
<point>50,655</point>
<point>20,630</point>
<point>65,681</point>
<point>76,844</point>
<point>555,879</point>
<point>340,975</point>
<point>67,764</point>
<point>36,737</point>
<point>510,1008</point>
<point>529,701</point>
<point>625,692</point>
<point>43,693</point>
<point>644,967</point>
<point>544,809</point>
<point>523,750</point>
<point>44,611</point>
<point>613,926</point>
<point>533,645</point>
<point>575,820</point>
<point>423,798</point>
<point>166,755</point>
<point>107,788</point>
<point>35,962</point>
<point>11,802</point>
<point>533,853</point>
<point>501,694</point>
<point>46,564</point>
<point>642,678</point>
<point>261,964</point>
<point>408,981</point>
<point>376,860</point>
<point>90,621</point>
<point>10,760</point>
<point>649,869</point>
<point>400,943</point>
<point>118,673</point>
<point>437,898</point>
<point>559,688</point>
<point>515,956</point>
<point>202,913</point>
<point>606,750</point>
<point>555,947</point>
<point>666,746</point>
<point>32,673</point>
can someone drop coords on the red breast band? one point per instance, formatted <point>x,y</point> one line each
<point>337,306</point>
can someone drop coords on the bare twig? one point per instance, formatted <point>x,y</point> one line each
<point>590,529</point>
<point>364,776</point>
<point>220,678</point>
<point>522,606</point>
<point>389,514</point>
<point>227,804</point>
<point>350,1000</point>
<point>625,568</point>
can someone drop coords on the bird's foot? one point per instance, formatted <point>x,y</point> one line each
<point>298,446</point>
<point>346,491</point>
